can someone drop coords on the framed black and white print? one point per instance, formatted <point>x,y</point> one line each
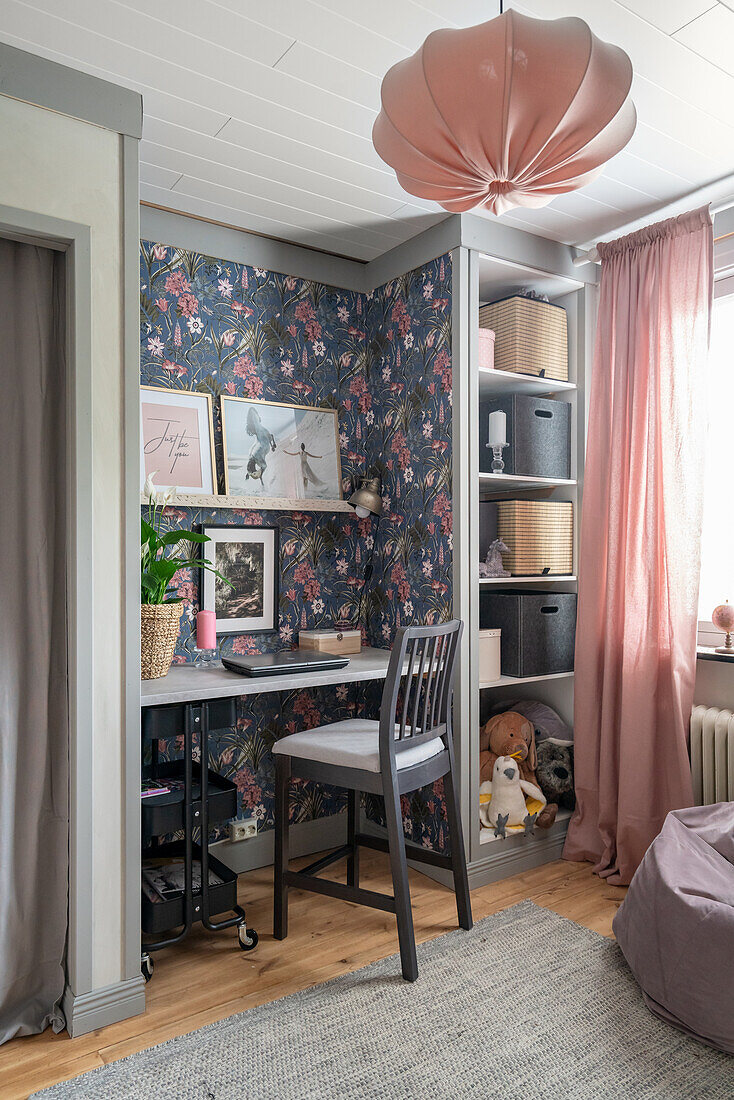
<point>276,450</point>
<point>248,557</point>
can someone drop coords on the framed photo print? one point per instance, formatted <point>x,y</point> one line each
<point>275,450</point>
<point>248,557</point>
<point>177,440</point>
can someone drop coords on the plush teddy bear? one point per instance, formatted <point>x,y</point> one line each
<point>511,734</point>
<point>555,773</point>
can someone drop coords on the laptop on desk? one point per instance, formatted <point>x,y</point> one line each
<point>279,664</point>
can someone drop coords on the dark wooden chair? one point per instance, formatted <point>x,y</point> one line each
<point>409,747</point>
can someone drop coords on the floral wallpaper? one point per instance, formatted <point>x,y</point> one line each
<point>409,377</point>
<point>383,361</point>
<point>409,445</point>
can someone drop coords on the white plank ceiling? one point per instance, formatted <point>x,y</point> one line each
<point>259,114</point>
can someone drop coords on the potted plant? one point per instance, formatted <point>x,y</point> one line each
<point>161,556</point>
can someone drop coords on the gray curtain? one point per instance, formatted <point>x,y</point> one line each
<point>34,736</point>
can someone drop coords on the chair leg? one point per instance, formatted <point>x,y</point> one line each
<point>352,830</point>
<point>280,887</point>
<point>458,857</point>
<point>401,889</point>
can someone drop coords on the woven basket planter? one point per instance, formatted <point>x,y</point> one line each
<point>159,624</point>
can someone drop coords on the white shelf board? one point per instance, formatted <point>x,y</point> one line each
<point>503,482</point>
<point>500,278</point>
<point>493,382</point>
<point>528,580</point>
<point>486,836</point>
<point>511,681</point>
<point>258,504</point>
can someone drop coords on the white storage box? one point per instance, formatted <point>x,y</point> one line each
<point>489,657</point>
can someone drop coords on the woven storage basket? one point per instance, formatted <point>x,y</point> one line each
<point>539,534</point>
<point>531,337</point>
<point>158,633</point>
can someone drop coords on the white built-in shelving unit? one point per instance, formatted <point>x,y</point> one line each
<point>480,277</point>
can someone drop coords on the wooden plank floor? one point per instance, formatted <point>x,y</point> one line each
<point>208,977</point>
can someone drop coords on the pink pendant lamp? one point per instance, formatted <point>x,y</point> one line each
<point>510,113</point>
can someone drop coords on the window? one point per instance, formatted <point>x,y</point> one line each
<point>717,546</point>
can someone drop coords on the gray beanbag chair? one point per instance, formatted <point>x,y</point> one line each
<point>676,925</point>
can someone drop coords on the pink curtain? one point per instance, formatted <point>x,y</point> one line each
<point>640,542</point>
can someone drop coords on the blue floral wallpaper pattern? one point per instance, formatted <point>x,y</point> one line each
<point>383,361</point>
<point>409,446</point>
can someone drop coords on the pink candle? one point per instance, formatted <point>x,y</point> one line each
<point>206,630</point>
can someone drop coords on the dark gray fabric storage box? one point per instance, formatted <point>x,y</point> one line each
<point>538,436</point>
<point>538,630</point>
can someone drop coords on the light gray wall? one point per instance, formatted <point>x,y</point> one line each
<point>70,158</point>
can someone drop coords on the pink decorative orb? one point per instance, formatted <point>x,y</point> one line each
<point>723,617</point>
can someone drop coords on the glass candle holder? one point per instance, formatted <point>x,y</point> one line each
<point>498,464</point>
<point>206,658</point>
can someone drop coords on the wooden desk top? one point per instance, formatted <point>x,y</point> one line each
<point>189,684</point>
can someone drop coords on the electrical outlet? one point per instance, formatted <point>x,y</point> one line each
<point>243,828</point>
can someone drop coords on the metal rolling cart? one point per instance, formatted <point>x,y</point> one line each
<point>199,799</point>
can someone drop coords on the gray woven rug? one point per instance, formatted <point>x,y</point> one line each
<point>527,1006</point>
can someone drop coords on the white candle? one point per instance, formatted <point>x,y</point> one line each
<point>497,429</point>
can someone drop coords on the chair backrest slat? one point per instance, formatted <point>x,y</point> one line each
<point>449,648</point>
<point>438,677</point>
<point>417,697</point>
<point>415,687</point>
<point>431,646</point>
<point>408,682</point>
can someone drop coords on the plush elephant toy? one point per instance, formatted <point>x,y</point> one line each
<point>511,734</point>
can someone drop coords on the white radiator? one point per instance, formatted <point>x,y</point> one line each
<point>712,755</point>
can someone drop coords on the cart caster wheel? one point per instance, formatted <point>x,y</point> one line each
<point>247,937</point>
<point>146,966</point>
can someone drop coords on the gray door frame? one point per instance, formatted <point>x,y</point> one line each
<point>73,240</point>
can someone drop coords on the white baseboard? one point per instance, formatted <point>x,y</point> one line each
<point>101,1007</point>
<point>304,839</point>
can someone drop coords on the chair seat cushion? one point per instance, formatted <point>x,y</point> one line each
<point>353,743</point>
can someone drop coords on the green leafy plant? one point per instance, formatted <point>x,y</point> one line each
<point>162,555</point>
